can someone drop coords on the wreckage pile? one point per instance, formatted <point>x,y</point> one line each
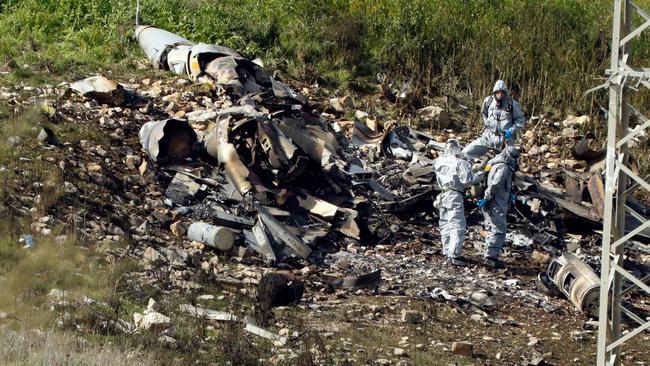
<point>263,165</point>
<point>251,162</point>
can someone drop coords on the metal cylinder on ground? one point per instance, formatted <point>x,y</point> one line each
<point>214,236</point>
<point>168,140</point>
<point>577,281</point>
<point>155,42</point>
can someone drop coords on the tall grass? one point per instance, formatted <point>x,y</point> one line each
<point>49,348</point>
<point>553,49</point>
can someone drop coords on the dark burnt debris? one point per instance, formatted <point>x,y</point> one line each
<point>253,168</point>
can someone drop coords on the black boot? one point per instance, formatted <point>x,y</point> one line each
<point>458,261</point>
<point>493,263</point>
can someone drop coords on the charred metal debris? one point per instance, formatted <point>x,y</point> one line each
<point>254,165</point>
<point>268,168</point>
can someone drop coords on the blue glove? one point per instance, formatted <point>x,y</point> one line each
<point>482,202</point>
<point>509,133</point>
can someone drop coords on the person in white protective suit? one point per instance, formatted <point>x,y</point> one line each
<point>495,202</point>
<point>453,175</point>
<point>502,118</point>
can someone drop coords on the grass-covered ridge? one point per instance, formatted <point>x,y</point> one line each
<point>553,49</point>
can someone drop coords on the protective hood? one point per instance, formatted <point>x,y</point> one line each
<point>512,152</point>
<point>508,156</point>
<point>500,85</point>
<point>452,148</point>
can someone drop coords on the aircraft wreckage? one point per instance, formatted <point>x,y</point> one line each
<point>266,171</point>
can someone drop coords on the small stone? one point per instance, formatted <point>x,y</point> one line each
<point>58,294</point>
<point>244,252</point>
<point>568,132</point>
<point>574,164</point>
<point>132,161</point>
<point>147,108</point>
<point>179,228</point>
<point>144,168</point>
<point>511,282</point>
<point>150,305</point>
<point>307,270</point>
<point>371,123</point>
<point>47,137</point>
<point>530,135</point>
<point>577,335</point>
<point>411,316</point>
<point>167,341</point>
<point>539,257</point>
<point>101,151</point>
<point>205,266</point>
<point>399,352</point>
<point>14,141</point>
<point>214,261</point>
<point>347,101</point>
<point>93,167</point>
<point>108,122</point>
<point>171,107</point>
<point>336,105</point>
<point>437,117</point>
<point>69,188</point>
<point>360,115</point>
<point>143,228</point>
<point>482,298</point>
<point>181,82</point>
<point>559,140</point>
<point>153,321</point>
<point>476,317</point>
<point>572,121</point>
<point>115,230</point>
<point>463,349</point>
<point>331,117</point>
<point>151,255</point>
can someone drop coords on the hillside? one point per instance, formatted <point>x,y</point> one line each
<point>95,259</point>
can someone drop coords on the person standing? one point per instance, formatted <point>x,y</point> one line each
<point>502,118</point>
<point>496,201</point>
<point>453,175</point>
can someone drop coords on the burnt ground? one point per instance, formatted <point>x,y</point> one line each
<point>93,189</point>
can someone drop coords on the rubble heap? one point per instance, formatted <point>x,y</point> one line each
<point>267,166</point>
<point>248,162</point>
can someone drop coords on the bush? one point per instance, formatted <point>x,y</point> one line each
<point>552,48</point>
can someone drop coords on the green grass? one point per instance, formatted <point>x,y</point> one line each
<point>50,348</point>
<point>553,49</point>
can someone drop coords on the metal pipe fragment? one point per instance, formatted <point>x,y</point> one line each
<point>156,43</point>
<point>214,236</point>
<point>577,281</point>
<point>167,140</point>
